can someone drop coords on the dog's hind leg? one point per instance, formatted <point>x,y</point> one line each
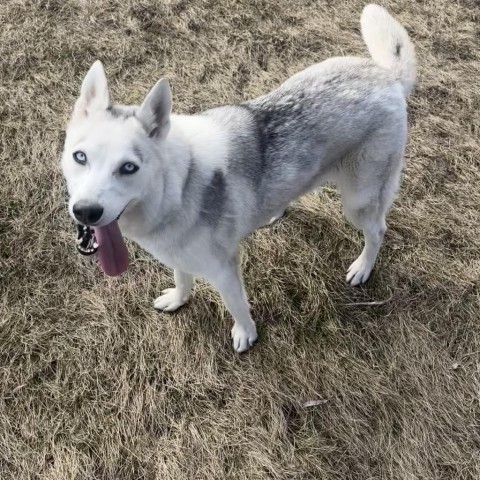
<point>173,298</point>
<point>228,282</point>
<point>367,194</point>
<point>372,223</point>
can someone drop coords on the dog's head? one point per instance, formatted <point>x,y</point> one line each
<point>111,152</point>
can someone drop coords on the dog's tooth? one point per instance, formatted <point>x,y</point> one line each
<point>95,245</point>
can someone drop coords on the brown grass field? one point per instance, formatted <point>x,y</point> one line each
<point>95,384</point>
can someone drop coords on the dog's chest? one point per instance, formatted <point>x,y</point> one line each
<point>191,255</point>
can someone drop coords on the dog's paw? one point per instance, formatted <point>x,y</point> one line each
<point>170,300</point>
<point>359,271</point>
<point>243,336</point>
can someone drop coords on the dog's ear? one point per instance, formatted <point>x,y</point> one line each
<point>94,92</point>
<point>155,110</point>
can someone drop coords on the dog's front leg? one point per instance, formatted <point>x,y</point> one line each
<point>173,298</point>
<point>228,282</point>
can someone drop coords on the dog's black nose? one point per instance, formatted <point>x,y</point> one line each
<point>88,214</point>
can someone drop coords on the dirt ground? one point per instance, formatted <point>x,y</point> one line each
<point>377,382</point>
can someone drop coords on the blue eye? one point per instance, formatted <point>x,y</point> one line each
<point>128,168</point>
<point>80,157</point>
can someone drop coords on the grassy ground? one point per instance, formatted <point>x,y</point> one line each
<point>95,384</point>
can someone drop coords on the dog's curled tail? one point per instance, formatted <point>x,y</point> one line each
<point>389,44</point>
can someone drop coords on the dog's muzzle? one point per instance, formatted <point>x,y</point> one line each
<point>86,242</point>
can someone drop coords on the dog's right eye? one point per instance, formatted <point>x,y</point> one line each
<point>80,157</point>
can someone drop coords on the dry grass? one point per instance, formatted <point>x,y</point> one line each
<point>94,384</point>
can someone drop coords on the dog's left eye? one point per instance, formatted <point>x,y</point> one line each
<point>80,157</point>
<point>128,168</point>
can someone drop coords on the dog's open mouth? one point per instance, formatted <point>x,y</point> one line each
<point>108,242</point>
<point>86,241</point>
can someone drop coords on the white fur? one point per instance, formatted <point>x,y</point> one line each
<point>382,33</point>
<point>207,140</point>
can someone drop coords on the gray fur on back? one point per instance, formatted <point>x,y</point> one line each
<point>289,141</point>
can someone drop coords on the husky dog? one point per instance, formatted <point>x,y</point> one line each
<point>188,188</point>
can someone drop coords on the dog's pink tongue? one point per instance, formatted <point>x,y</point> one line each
<point>112,251</point>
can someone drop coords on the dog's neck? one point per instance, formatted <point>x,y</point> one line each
<point>192,139</point>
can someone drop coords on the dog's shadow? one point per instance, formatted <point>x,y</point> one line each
<point>295,268</point>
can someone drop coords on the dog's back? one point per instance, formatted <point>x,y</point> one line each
<point>295,138</point>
